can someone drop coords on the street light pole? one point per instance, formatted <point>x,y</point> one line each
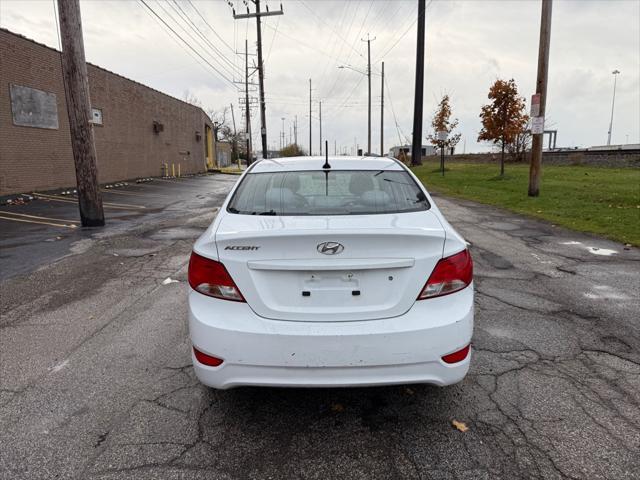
<point>320,122</point>
<point>382,113</point>
<point>613,102</point>
<point>310,124</point>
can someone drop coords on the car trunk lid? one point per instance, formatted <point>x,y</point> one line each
<point>330,268</point>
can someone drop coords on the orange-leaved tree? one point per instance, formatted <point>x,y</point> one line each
<point>504,118</point>
<point>442,122</point>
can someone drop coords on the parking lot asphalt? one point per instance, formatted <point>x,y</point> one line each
<point>96,379</point>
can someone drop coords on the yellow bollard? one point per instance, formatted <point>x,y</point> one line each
<point>173,169</point>
<point>178,170</point>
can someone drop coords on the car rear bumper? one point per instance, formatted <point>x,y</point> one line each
<point>399,350</point>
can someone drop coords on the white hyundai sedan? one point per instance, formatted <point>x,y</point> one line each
<point>326,273</point>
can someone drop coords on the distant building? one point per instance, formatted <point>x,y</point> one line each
<point>138,131</point>
<point>223,154</point>
<point>402,150</point>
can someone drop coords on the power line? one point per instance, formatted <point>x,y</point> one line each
<point>207,41</point>
<point>335,82</point>
<point>275,32</point>
<point>187,44</point>
<point>393,112</point>
<point>344,15</point>
<point>188,31</point>
<point>301,42</point>
<point>413,22</point>
<point>195,59</point>
<point>210,27</point>
<point>343,103</point>
<point>330,26</point>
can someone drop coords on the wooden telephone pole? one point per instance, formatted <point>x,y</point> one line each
<point>541,90</point>
<point>416,146</point>
<point>247,111</point>
<point>257,15</point>
<point>369,40</point>
<point>76,86</point>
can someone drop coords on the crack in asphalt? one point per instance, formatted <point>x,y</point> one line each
<point>531,412</point>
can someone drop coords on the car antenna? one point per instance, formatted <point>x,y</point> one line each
<point>326,157</point>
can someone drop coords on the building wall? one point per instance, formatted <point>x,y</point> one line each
<point>33,158</point>
<point>223,154</point>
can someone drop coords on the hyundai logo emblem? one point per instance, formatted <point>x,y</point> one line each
<point>330,248</point>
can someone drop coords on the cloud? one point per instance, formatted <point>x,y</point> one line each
<point>469,44</point>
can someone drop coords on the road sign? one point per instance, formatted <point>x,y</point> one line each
<point>442,135</point>
<point>537,125</point>
<point>535,105</point>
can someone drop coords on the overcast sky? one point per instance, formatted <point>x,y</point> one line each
<point>469,43</point>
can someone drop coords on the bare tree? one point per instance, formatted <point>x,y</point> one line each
<point>521,144</point>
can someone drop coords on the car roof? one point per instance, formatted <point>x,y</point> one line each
<point>288,164</point>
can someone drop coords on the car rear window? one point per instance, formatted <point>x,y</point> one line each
<point>332,192</point>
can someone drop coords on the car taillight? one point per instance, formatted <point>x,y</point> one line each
<point>450,275</point>
<point>205,359</point>
<point>211,278</point>
<point>458,356</point>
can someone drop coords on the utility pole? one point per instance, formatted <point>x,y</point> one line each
<point>320,118</point>
<point>382,113</point>
<point>613,102</point>
<point>258,15</point>
<point>283,140</point>
<point>246,102</point>
<point>234,149</point>
<point>76,85</point>
<point>310,132</point>
<point>369,40</point>
<point>295,129</point>
<point>541,90</point>
<point>416,147</point>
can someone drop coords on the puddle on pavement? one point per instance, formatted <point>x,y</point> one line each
<point>177,234</point>
<point>595,250</point>
<point>602,292</point>
<point>504,226</point>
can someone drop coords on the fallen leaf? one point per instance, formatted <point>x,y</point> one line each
<point>408,391</point>
<point>459,425</point>
<point>337,407</point>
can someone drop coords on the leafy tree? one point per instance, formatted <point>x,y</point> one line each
<point>504,118</point>
<point>292,150</point>
<point>442,122</point>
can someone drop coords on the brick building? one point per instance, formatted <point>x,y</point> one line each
<point>137,130</point>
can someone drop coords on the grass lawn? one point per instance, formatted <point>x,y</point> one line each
<point>605,201</point>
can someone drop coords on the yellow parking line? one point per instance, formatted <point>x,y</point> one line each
<point>37,222</point>
<point>38,217</point>
<point>67,199</point>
